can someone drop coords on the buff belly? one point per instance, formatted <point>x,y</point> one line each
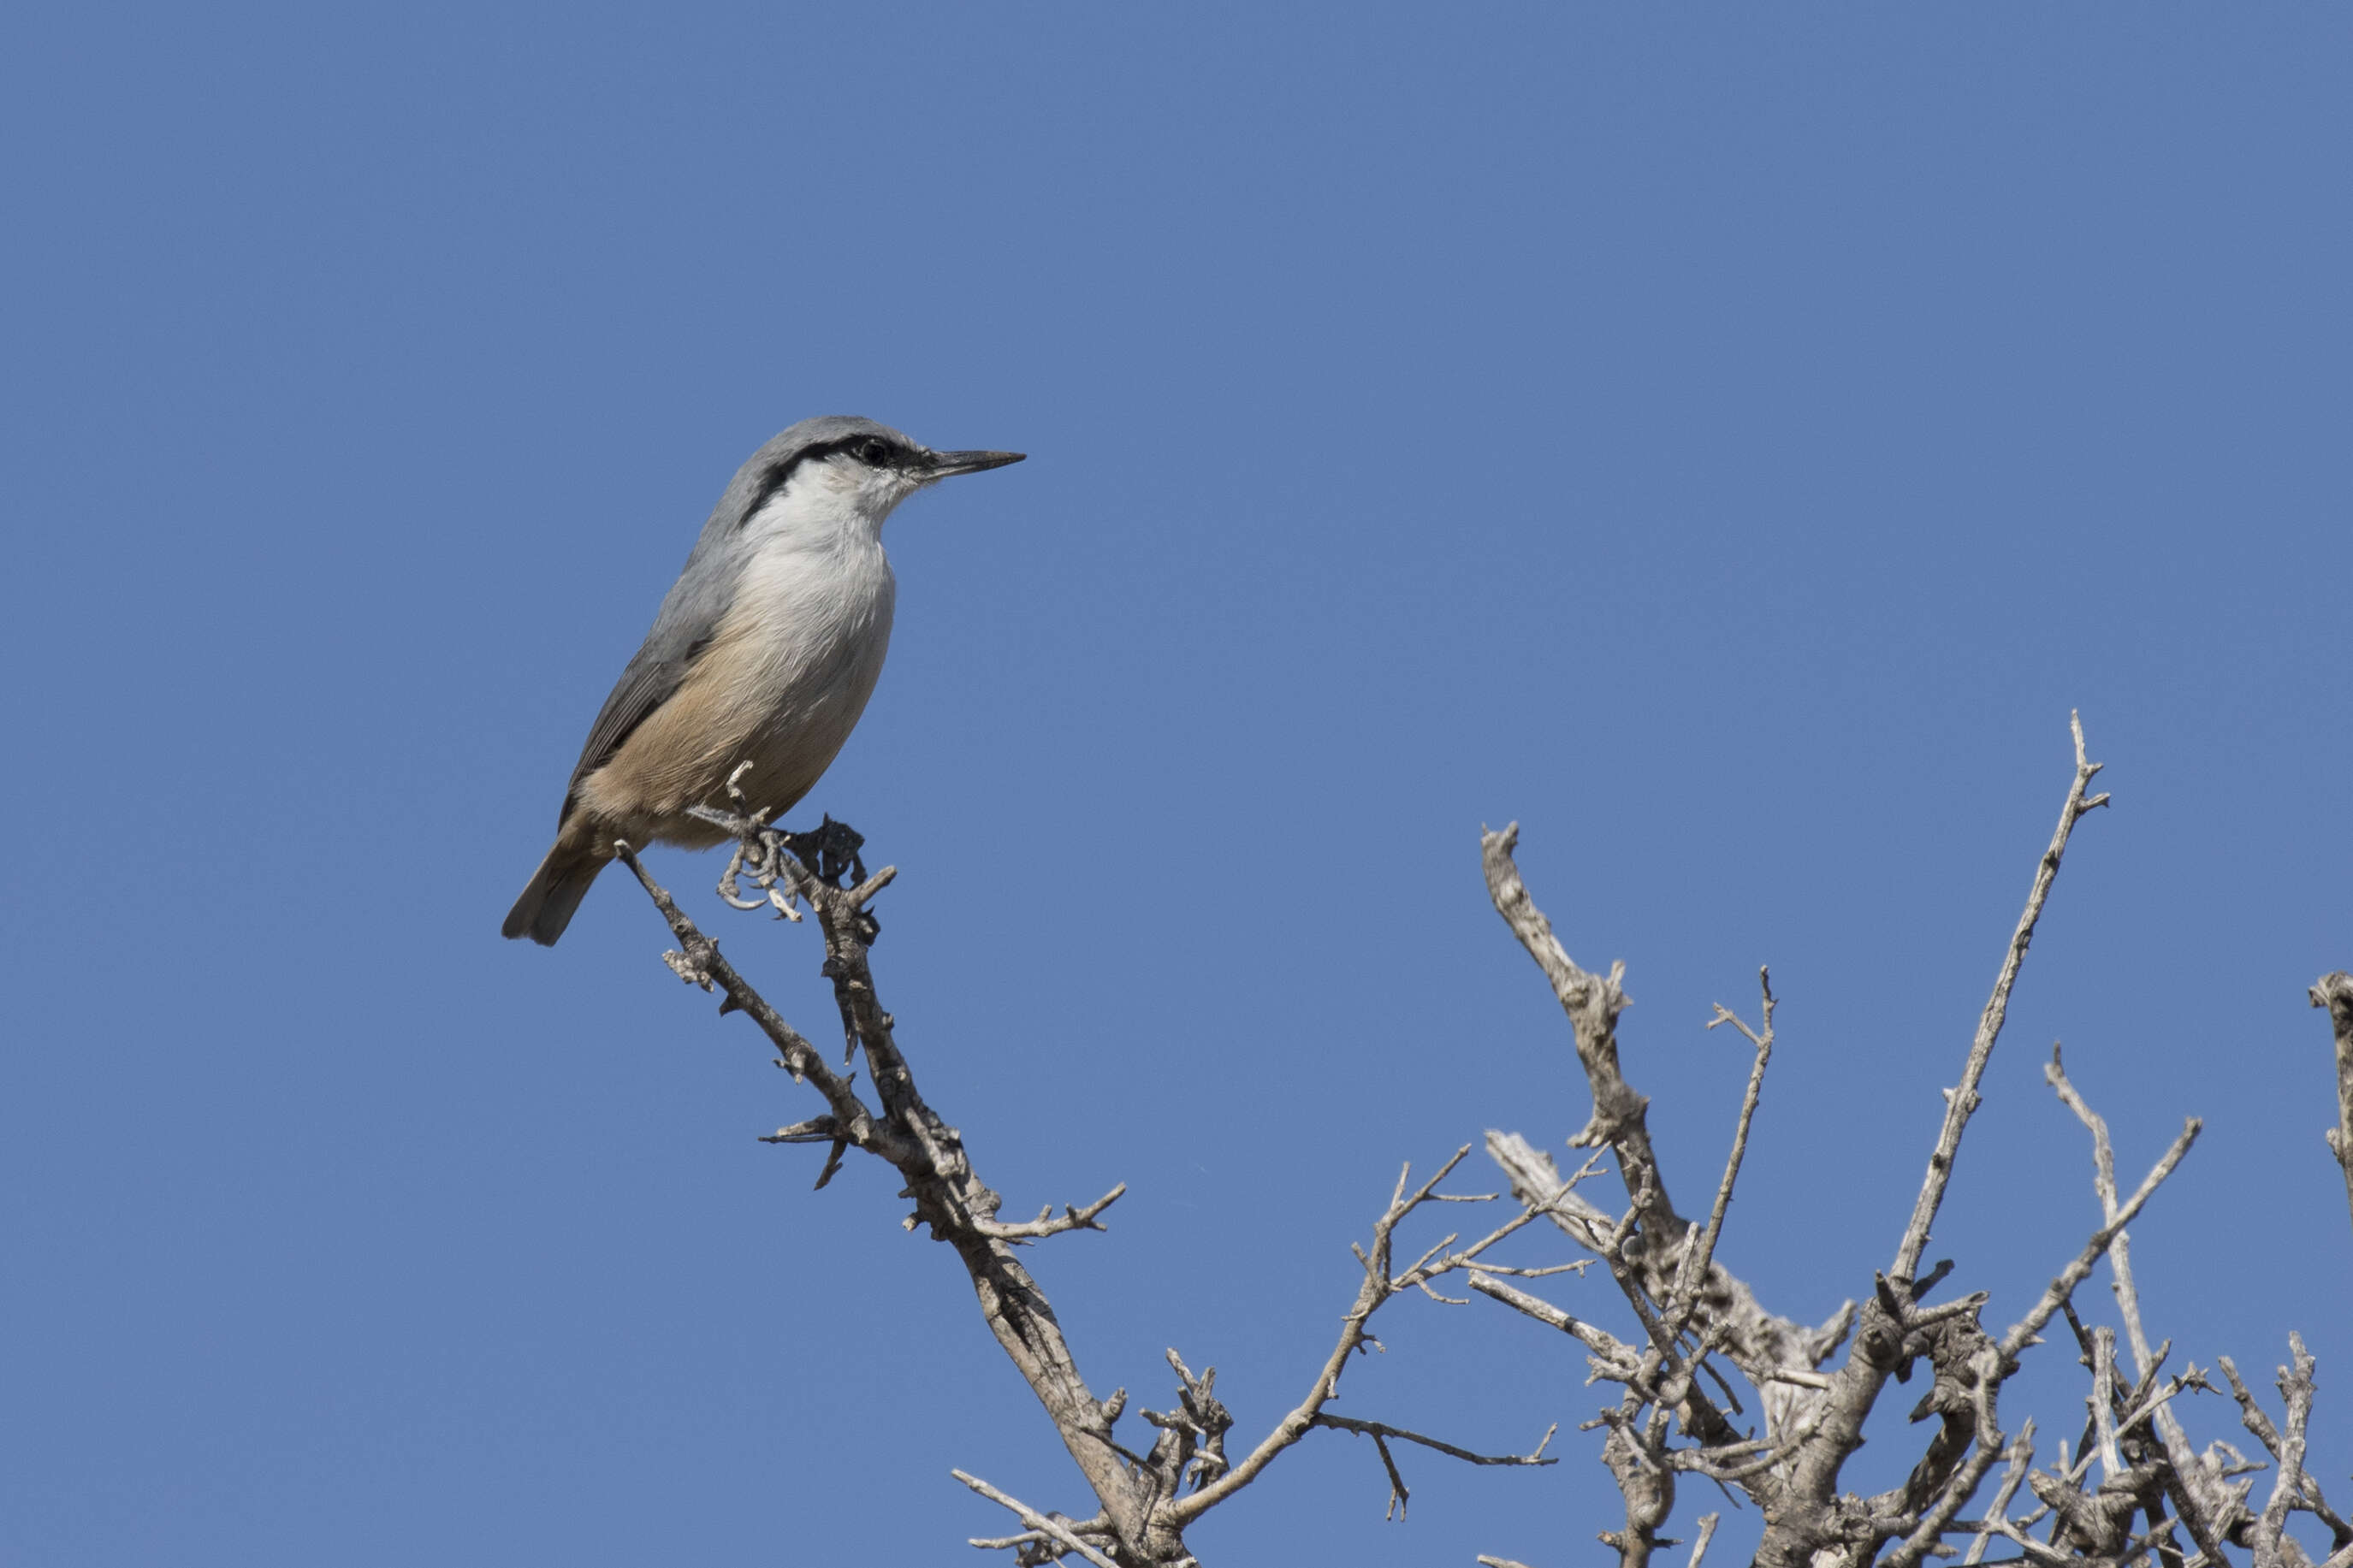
<point>780,686</point>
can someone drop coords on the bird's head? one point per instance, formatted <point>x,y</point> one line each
<point>847,468</point>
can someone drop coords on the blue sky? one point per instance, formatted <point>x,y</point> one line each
<point>1726,441</point>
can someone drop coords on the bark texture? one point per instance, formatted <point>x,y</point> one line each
<point>1146,1495</point>
<point>1692,1327</point>
<point>2191,1510</point>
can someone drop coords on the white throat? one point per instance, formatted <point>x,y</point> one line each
<point>829,502</point>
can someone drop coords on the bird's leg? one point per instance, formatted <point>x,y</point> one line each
<point>743,823</point>
<point>756,850</point>
<point>828,852</point>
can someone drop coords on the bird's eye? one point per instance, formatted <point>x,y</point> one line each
<point>874,453</point>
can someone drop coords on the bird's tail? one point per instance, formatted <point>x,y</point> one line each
<point>555,891</point>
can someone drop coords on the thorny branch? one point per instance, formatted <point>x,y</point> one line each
<point>1689,1309</point>
<point>1676,1413</point>
<point>1146,1500</point>
<point>904,1131</point>
<point>1382,1283</point>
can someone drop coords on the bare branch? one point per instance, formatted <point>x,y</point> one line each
<point>2335,991</point>
<point>1692,1271</point>
<point>1592,1002</point>
<point>1962,1102</point>
<point>2062,1288</point>
<point>2104,1400</point>
<point>1813,1515</point>
<point>2201,1500</point>
<point>1535,1456</point>
<point>1599,1340</point>
<point>2251,1414</point>
<point>1050,1224</point>
<point>1666,1269</point>
<point>700,963</point>
<point>2295,1388</point>
<point>1380,1284</point>
<point>1578,1267</point>
<point>927,1153</point>
<point>1380,1432</point>
<point>1707,1522</point>
<point>1958,1487</point>
<point>2021,1458</point>
<point>1661,1422</point>
<point>1759,1342</point>
<point>1043,1524</point>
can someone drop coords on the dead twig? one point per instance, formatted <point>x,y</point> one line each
<point>1961,1103</point>
<point>1381,1283</point>
<point>1043,1524</point>
<point>1380,1432</point>
<point>2335,991</point>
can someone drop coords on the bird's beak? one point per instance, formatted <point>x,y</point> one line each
<point>946,465</point>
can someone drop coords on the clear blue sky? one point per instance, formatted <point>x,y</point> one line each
<point>1727,441</point>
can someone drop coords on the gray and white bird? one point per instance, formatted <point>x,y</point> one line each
<point>765,651</point>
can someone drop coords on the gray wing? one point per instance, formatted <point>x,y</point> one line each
<point>643,687</point>
<point>690,614</point>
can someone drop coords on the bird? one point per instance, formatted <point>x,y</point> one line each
<point>765,651</point>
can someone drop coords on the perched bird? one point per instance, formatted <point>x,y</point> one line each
<point>765,651</point>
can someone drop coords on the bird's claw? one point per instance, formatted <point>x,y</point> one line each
<point>828,852</point>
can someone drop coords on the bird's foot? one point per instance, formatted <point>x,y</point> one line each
<point>828,852</point>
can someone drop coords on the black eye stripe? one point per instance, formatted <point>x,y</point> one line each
<point>872,450</point>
